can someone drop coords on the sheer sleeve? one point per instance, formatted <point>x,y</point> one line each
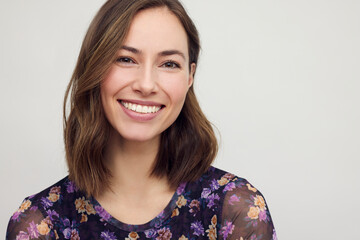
<point>245,214</point>
<point>28,222</point>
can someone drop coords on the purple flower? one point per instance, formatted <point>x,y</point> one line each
<point>198,228</point>
<point>46,202</point>
<point>16,216</point>
<point>67,233</point>
<point>71,187</point>
<point>227,229</point>
<point>262,216</point>
<point>22,236</point>
<point>34,208</point>
<point>52,214</point>
<point>212,199</point>
<point>205,193</point>
<point>181,188</point>
<point>107,235</point>
<point>229,187</point>
<point>214,185</point>
<point>151,233</point>
<point>233,198</point>
<point>33,231</point>
<point>65,222</point>
<point>102,213</point>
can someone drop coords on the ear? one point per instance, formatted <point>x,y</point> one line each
<point>191,74</point>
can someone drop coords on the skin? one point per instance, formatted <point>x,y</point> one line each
<point>152,66</point>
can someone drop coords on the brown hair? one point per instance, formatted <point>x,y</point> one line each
<point>187,147</point>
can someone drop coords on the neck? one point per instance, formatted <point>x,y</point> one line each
<point>130,163</point>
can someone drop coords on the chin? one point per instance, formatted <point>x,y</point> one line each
<point>140,137</point>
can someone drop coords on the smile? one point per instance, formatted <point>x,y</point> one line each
<point>140,108</point>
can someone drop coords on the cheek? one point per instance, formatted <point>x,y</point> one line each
<point>176,88</point>
<point>114,81</point>
<point>107,85</point>
<point>108,90</point>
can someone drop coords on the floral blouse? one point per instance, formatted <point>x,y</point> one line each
<point>218,205</point>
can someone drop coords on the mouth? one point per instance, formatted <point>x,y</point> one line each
<point>141,108</point>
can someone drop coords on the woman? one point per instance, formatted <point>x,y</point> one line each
<point>138,146</point>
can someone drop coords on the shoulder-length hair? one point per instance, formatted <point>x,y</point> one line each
<point>187,147</point>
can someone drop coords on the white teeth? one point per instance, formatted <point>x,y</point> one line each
<point>140,108</point>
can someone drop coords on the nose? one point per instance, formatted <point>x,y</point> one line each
<point>146,81</point>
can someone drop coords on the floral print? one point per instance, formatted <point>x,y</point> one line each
<point>218,205</point>
<point>212,232</point>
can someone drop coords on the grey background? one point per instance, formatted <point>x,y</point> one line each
<point>279,79</point>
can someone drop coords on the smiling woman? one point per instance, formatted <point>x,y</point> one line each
<point>138,147</point>
<point>145,89</point>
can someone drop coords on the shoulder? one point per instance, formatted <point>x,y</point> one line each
<point>220,181</point>
<point>243,211</point>
<point>60,192</point>
<point>237,208</point>
<point>216,186</point>
<point>37,212</point>
<point>235,191</point>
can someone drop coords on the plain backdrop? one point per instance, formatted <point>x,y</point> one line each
<point>279,79</point>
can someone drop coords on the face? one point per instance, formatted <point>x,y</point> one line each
<point>145,89</point>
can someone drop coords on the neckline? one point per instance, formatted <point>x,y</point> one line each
<point>156,222</point>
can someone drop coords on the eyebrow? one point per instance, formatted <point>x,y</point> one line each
<point>130,49</point>
<point>163,53</point>
<point>172,52</point>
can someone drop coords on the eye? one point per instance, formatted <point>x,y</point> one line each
<point>125,60</point>
<point>171,64</point>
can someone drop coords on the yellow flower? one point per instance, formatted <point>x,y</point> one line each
<point>89,208</point>
<point>25,205</point>
<point>80,205</point>
<point>53,197</point>
<point>43,228</point>
<point>259,201</point>
<point>183,238</point>
<point>251,188</point>
<point>181,201</point>
<point>223,181</point>
<point>214,220</point>
<point>132,236</point>
<point>211,232</point>
<point>253,212</point>
<point>84,218</point>
<point>175,212</point>
<point>56,234</point>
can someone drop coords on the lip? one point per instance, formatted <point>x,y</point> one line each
<point>140,117</point>
<point>141,102</point>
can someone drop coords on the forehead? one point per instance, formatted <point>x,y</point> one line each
<point>155,30</point>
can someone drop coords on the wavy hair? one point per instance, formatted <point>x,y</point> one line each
<point>187,147</point>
